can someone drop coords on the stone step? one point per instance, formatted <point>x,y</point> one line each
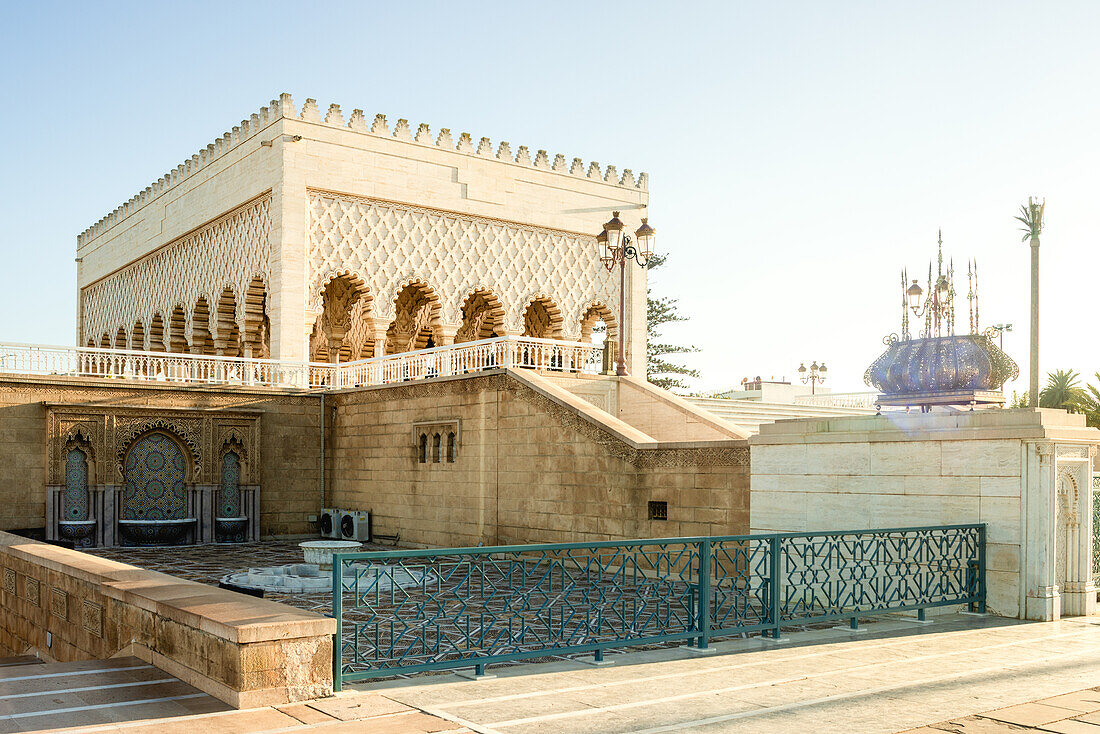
<point>19,660</point>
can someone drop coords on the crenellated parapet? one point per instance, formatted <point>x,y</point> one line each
<point>378,126</point>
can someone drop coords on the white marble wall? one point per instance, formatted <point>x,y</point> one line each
<point>934,469</point>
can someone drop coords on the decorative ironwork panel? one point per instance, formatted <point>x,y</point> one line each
<point>741,569</point>
<point>406,611</point>
<point>229,499</point>
<point>835,575</point>
<point>75,497</point>
<point>155,471</point>
<point>426,609</point>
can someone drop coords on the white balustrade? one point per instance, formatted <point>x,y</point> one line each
<point>459,359</point>
<point>840,400</point>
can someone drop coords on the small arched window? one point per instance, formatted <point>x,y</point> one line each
<point>437,448</point>
<point>452,447</point>
<point>422,456</point>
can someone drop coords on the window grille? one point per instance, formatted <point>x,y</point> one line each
<point>658,510</point>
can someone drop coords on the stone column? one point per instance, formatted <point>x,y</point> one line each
<point>1043,601</point>
<point>634,328</point>
<point>379,327</point>
<point>1073,472</point>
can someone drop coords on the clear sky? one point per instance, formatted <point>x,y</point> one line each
<point>800,153</point>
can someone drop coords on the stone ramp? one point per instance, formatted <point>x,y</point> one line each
<point>45,696</point>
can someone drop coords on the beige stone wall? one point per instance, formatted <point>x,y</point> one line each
<point>534,465</point>
<point>247,652</point>
<point>289,442</point>
<point>901,470</point>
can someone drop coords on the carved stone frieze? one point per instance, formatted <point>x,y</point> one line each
<point>108,431</point>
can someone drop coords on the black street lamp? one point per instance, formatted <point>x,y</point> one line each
<point>615,249</point>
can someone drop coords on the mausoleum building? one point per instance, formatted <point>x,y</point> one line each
<point>307,234</point>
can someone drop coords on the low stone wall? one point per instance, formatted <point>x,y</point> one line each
<point>248,652</point>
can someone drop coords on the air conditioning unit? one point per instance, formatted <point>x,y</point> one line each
<point>330,523</point>
<point>355,525</point>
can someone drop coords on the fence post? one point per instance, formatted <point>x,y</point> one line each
<point>981,568</point>
<point>703,606</point>
<point>337,612</point>
<point>774,584</point>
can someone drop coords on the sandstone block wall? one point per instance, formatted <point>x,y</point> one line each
<point>532,467</point>
<point>289,442</point>
<point>248,652</point>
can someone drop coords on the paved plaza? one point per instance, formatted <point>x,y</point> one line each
<point>958,674</point>
<point>896,675</point>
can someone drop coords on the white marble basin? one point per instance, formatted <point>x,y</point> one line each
<point>319,552</point>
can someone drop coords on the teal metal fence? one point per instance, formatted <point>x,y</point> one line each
<point>407,611</point>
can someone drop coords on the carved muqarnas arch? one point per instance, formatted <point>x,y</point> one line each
<point>482,317</point>
<point>343,327</point>
<point>417,321</point>
<point>542,318</point>
<point>592,315</point>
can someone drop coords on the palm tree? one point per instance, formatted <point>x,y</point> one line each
<point>1062,391</point>
<point>1090,402</point>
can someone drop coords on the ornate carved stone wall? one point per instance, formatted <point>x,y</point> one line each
<point>228,253</point>
<point>388,245</point>
<point>111,430</point>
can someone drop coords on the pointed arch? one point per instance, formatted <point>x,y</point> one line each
<point>177,325</point>
<point>592,314</point>
<point>257,326</point>
<point>417,321</point>
<point>121,338</point>
<point>137,336</point>
<point>542,318</point>
<point>229,333</point>
<point>482,317</point>
<point>156,333</point>
<point>343,327</point>
<point>202,341</point>
<point>105,341</point>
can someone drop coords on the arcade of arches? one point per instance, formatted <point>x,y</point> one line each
<point>226,324</point>
<point>346,327</point>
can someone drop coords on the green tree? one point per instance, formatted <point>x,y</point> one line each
<point>1090,402</point>
<point>660,311</point>
<point>1062,391</point>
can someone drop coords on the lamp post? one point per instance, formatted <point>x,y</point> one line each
<point>615,249</point>
<point>1001,329</point>
<point>813,376</point>
<point>1032,219</point>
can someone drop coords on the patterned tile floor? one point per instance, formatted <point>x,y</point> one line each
<point>207,564</point>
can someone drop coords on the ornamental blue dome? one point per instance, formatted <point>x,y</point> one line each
<point>941,364</point>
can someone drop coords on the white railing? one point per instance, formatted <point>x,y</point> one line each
<point>460,359</point>
<point>510,352</point>
<point>840,400</point>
